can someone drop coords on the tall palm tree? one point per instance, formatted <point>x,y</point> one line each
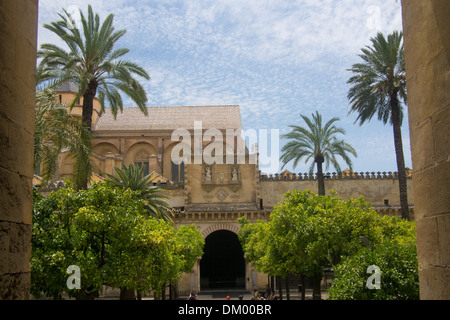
<point>93,63</point>
<point>317,142</point>
<point>379,87</point>
<point>56,130</point>
<point>132,177</point>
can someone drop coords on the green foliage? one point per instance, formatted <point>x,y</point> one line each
<point>106,232</point>
<point>319,143</point>
<point>378,87</point>
<point>56,130</point>
<point>188,246</point>
<point>316,141</point>
<point>307,232</point>
<point>132,177</point>
<point>397,260</point>
<point>254,238</point>
<point>92,61</point>
<point>379,79</point>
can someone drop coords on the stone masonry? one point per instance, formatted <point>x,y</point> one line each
<point>427,53</point>
<point>18,37</point>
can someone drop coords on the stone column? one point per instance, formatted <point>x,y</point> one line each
<point>18,40</point>
<point>110,163</point>
<point>427,52</point>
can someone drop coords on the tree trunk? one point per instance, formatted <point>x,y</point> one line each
<point>396,124</point>
<point>86,294</point>
<point>127,294</point>
<point>303,281</point>
<point>88,104</point>
<point>280,287</point>
<point>163,292</point>
<point>317,279</point>
<point>320,160</point>
<point>86,120</point>
<point>272,284</point>
<point>288,293</point>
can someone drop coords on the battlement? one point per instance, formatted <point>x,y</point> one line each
<point>345,175</point>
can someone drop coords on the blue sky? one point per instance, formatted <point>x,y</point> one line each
<point>275,59</point>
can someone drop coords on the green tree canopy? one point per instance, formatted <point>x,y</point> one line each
<point>107,233</point>
<point>307,233</point>
<point>399,279</point>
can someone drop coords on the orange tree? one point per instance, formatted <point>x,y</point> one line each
<point>106,233</point>
<point>307,232</point>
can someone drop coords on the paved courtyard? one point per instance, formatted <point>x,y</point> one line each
<point>234,295</point>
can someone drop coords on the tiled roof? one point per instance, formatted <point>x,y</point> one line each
<point>67,87</point>
<point>171,118</point>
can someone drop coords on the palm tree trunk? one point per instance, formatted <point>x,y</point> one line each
<point>396,124</point>
<point>320,160</point>
<point>88,105</point>
<point>88,109</point>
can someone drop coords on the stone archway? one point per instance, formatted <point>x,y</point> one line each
<point>223,265</point>
<point>216,227</point>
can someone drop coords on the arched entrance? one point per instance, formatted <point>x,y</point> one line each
<point>222,265</point>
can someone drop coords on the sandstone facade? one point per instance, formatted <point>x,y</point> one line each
<point>427,53</point>
<point>427,44</point>
<point>213,195</point>
<point>18,37</point>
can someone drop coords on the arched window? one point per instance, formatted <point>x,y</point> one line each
<point>178,172</point>
<point>142,160</point>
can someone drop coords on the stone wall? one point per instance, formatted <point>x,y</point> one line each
<point>427,53</point>
<point>377,188</point>
<point>221,187</point>
<point>18,37</point>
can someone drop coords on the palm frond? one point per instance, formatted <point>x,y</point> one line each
<point>132,177</point>
<point>56,130</point>
<point>93,58</point>
<point>313,140</point>
<point>92,61</point>
<point>378,78</point>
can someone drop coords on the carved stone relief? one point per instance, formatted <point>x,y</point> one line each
<point>222,194</point>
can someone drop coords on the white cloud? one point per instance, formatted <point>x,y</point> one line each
<point>275,58</point>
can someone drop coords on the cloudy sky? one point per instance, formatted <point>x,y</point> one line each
<point>276,59</point>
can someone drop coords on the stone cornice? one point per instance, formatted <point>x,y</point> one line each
<point>230,216</point>
<point>184,217</point>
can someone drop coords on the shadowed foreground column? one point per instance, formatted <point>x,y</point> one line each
<point>427,52</point>
<point>18,37</point>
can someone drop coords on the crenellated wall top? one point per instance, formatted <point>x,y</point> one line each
<point>288,176</point>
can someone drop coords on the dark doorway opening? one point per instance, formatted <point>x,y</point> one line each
<point>222,265</point>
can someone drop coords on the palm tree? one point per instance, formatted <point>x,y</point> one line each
<point>93,63</point>
<point>132,177</point>
<point>56,130</point>
<point>319,143</point>
<point>378,87</point>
